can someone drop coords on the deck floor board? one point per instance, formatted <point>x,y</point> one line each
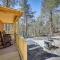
<point>9,53</point>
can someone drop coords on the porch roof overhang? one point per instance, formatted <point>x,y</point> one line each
<point>8,15</point>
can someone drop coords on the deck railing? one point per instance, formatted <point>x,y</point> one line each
<point>22,47</point>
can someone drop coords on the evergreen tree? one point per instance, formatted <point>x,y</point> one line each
<point>27,13</point>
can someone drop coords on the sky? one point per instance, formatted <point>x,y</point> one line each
<point>36,6</point>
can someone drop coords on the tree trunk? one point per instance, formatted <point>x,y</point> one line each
<point>51,23</point>
<point>7,3</point>
<point>26,25</point>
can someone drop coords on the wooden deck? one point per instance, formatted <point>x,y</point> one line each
<point>9,53</point>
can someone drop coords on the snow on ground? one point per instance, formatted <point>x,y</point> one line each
<point>40,40</point>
